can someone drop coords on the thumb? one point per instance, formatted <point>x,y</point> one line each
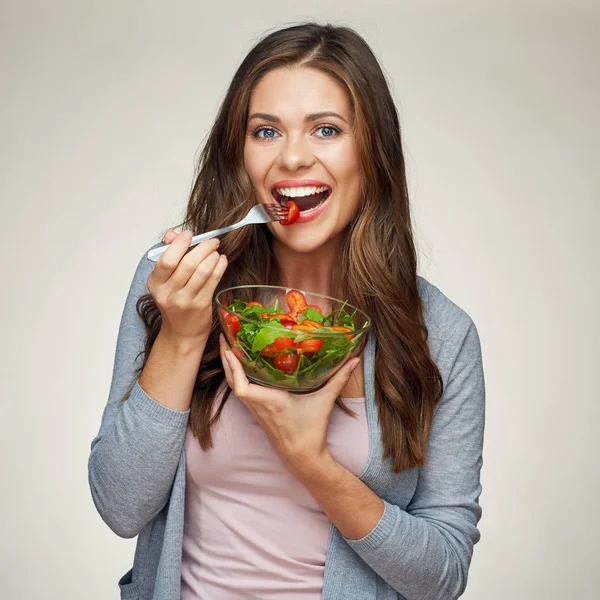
<point>336,384</point>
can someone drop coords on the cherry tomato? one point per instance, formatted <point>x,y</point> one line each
<point>342,329</point>
<point>254,304</point>
<point>295,301</point>
<point>287,362</point>
<point>283,343</point>
<point>293,213</point>
<point>233,323</point>
<point>309,346</point>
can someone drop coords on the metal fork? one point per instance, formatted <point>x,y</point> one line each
<point>261,213</point>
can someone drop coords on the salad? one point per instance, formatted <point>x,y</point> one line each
<point>290,344</point>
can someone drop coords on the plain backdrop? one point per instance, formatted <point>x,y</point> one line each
<point>103,108</point>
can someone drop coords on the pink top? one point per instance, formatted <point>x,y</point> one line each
<point>252,531</point>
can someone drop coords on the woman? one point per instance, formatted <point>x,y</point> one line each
<point>257,493</point>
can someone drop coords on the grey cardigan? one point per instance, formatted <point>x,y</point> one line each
<point>422,546</point>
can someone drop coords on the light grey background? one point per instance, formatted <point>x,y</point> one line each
<point>103,106</point>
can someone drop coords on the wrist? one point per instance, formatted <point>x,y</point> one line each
<point>184,347</point>
<point>312,468</point>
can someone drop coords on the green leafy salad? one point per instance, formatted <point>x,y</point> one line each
<point>294,346</point>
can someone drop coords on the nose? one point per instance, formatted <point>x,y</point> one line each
<point>295,154</point>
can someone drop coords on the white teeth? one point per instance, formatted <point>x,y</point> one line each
<point>299,192</point>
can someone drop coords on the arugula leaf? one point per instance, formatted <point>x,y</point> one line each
<point>237,306</point>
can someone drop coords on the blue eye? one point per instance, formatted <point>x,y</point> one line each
<point>328,131</point>
<point>269,133</point>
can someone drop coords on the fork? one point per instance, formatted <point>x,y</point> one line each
<point>261,213</point>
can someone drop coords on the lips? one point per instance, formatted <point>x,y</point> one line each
<point>311,215</point>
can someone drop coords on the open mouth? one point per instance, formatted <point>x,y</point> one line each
<point>305,198</point>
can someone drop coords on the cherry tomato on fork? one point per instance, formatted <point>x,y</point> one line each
<point>293,213</point>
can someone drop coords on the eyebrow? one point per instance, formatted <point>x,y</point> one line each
<point>307,118</point>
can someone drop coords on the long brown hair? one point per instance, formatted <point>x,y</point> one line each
<point>378,255</point>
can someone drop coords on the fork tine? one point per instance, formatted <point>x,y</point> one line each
<point>277,211</point>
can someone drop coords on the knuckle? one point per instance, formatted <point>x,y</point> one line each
<point>167,264</point>
<point>203,271</point>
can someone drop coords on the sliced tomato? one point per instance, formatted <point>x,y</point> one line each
<point>313,324</point>
<point>293,213</point>
<point>296,301</point>
<point>341,329</point>
<point>302,327</point>
<point>270,351</point>
<point>283,343</point>
<point>287,362</point>
<point>233,324</point>
<point>309,346</point>
<point>284,318</point>
<point>254,304</point>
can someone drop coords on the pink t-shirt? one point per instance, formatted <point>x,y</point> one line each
<point>253,531</point>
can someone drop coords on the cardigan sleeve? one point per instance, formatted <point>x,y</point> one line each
<point>134,457</point>
<point>424,552</point>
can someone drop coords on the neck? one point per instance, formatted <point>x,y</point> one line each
<point>310,271</point>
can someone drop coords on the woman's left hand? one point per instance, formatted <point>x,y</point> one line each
<point>295,424</point>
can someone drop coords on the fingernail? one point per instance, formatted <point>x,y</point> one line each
<point>216,241</point>
<point>188,234</point>
<point>354,366</point>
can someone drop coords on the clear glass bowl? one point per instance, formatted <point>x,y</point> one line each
<point>306,358</point>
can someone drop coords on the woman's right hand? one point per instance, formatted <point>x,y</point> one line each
<point>183,285</point>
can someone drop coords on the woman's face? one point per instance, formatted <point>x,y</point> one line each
<point>300,145</point>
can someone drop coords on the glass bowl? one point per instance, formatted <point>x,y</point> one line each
<point>287,338</point>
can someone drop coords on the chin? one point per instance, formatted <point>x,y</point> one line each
<point>302,242</point>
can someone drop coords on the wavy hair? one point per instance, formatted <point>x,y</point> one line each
<point>378,255</point>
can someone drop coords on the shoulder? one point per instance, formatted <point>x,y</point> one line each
<point>449,326</point>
